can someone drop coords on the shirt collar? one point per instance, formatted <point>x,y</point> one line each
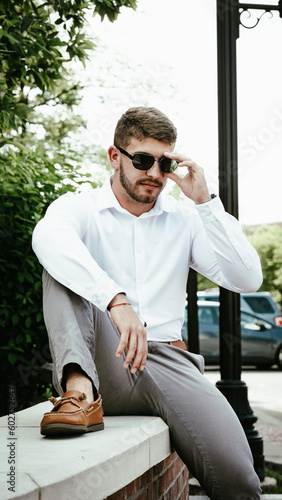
<point>106,199</point>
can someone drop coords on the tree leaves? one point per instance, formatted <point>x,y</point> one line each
<point>267,240</point>
<point>29,182</point>
<point>38,40</point>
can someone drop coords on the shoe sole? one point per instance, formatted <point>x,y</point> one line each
<point>60,429</point>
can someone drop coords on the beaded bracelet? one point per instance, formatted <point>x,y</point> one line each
<point>121,304</point>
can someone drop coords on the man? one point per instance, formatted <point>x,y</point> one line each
<point>115,263</point>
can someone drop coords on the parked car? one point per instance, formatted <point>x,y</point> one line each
<point>261,340</point>
<point>260,303</point>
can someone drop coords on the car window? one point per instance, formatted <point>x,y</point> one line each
<point>260,305</point>
<point>251,323</point>
<point>211,298</point>
<point>205,315</point>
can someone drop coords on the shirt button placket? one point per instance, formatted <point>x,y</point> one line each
<point>139,259</point>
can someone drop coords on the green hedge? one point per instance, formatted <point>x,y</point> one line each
<point>28,185</point>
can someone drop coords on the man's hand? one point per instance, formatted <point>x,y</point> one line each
<point>133,336</point>
<point>193,184</point>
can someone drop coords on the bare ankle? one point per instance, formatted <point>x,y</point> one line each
<point>76,380</point>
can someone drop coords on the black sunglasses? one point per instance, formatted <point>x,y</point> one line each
<point>144,161</point>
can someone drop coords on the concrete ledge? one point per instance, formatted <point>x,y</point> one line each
<point>89,466</point>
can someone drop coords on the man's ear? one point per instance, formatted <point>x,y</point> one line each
<point>114,156</point>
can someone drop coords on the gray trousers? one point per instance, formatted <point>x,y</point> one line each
<point>204,429</point>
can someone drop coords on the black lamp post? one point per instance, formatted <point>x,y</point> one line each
<point>229,14</point>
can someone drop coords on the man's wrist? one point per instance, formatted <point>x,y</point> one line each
<point>120,297</point>
<point>207,199</point>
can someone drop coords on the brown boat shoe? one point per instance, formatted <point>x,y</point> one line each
<point>72,414</point>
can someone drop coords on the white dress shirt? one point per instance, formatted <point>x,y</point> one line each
<point>93,246</point>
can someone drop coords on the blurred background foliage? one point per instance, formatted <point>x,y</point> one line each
<point>267,240</point>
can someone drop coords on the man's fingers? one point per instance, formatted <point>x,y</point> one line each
<point>141,355</point>
<point>131,352</point>
<point>122,344</point>
<point>137,350</point>
<point>143,361</point>
<point>174,177</point>
<point>177,157</point>
<point>133,337</point>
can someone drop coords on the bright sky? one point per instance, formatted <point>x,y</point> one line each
<point>164,55</point>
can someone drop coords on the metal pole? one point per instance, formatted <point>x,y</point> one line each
<point>192,307</point>
<point>230,384</point>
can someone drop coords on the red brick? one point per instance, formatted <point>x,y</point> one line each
<point>147,477</point>
<point>182,485</point>
<point>167,480</point>
<point>167,496</point>
<point>158,469</point>
<point>178,465</point>
<point>181,480</point>
<point>133,487</point>
<point>171,474</point>
<point>175,490</point>
<point>118,495</point>
<point>163,483</point>
<point>184,494</point>
<point>153,491</point>
<point>167,462</point>
<point>168,477</point>
<point>141,496</point>
<point>177,468</point>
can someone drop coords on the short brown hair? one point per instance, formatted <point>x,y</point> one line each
<point>142,122</point>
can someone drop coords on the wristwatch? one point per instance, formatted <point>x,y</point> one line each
<point>213,196</point>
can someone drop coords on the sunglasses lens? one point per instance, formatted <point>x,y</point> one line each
<point>167,165</point>
<point>143,161</point>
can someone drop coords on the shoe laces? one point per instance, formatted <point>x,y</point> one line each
<point>54,400</point>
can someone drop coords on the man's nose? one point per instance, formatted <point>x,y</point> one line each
<point>155,170</point>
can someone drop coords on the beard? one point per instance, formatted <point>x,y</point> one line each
<point>135,192</point>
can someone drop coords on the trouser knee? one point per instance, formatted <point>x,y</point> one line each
<point>246,487</point>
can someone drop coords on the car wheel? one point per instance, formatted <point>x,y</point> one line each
<point>278,359</point>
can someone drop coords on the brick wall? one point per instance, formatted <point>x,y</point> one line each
<point>167,480</point>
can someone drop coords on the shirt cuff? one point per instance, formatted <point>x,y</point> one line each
<point>211,210</point>
<point>108,289</point>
